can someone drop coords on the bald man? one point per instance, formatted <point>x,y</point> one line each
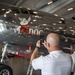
<point>56,62</point>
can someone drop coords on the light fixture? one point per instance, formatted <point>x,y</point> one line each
<point>34,12</point>
<point>15,14</point>
<point>53,28</point>
<point>8,11</point>
<point>20,7</point>
<point>60,21</point>
<point>28,8</point>
<point>44,24</point>
<point>50,2</point>
<point>55,15</point>
<point>70,27</point>
<point>47,28</point>
<point>64,30</point>
<point>70,9</point>
<point>13,21</point>
<point>60,28</point>
<point>37,16</point>
<point>31,22</point>
<point>72,30</point>
<point>36,26</point>
<point>34,20</point>
<point>73,34</point>
<point>3,9</point>
<point>5,15</point>
<point>54,23</point>
<point>62,18</point>
<point>57,30</point>
<point>66,40</point>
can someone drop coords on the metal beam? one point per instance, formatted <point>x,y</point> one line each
<point>56,6</point>
<point>45,5</point>
<point>18,2</point>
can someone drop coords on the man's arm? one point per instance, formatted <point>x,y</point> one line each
<point>35,52</point>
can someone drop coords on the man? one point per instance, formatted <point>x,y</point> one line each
<point>73,57</point>
<point>56,62</point>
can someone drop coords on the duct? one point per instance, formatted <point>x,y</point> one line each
<point>18,2</point>
<point>56,6</point>
<point>14,4</point>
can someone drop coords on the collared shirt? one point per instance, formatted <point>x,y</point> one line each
<point>56,63</point>
<point>73,57</point>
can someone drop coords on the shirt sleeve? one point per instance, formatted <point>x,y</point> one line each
<point>38,63</point>
<point>73,63</point>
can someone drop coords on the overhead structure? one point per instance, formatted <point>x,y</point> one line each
<point>59,7</point>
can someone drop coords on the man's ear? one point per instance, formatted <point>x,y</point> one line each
<point>48,45</point>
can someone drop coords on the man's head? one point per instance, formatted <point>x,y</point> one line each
<point>53,41</point>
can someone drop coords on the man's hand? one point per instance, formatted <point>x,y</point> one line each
<point>38,43</point>
<point>35,52</point>
<point>45,44</point>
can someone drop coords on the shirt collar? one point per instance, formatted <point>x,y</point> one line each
<point>56,52</point>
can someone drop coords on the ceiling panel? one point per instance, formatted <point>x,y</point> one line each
<point>64,11</point>
<point>33,4</point>
<point>8,1</point>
